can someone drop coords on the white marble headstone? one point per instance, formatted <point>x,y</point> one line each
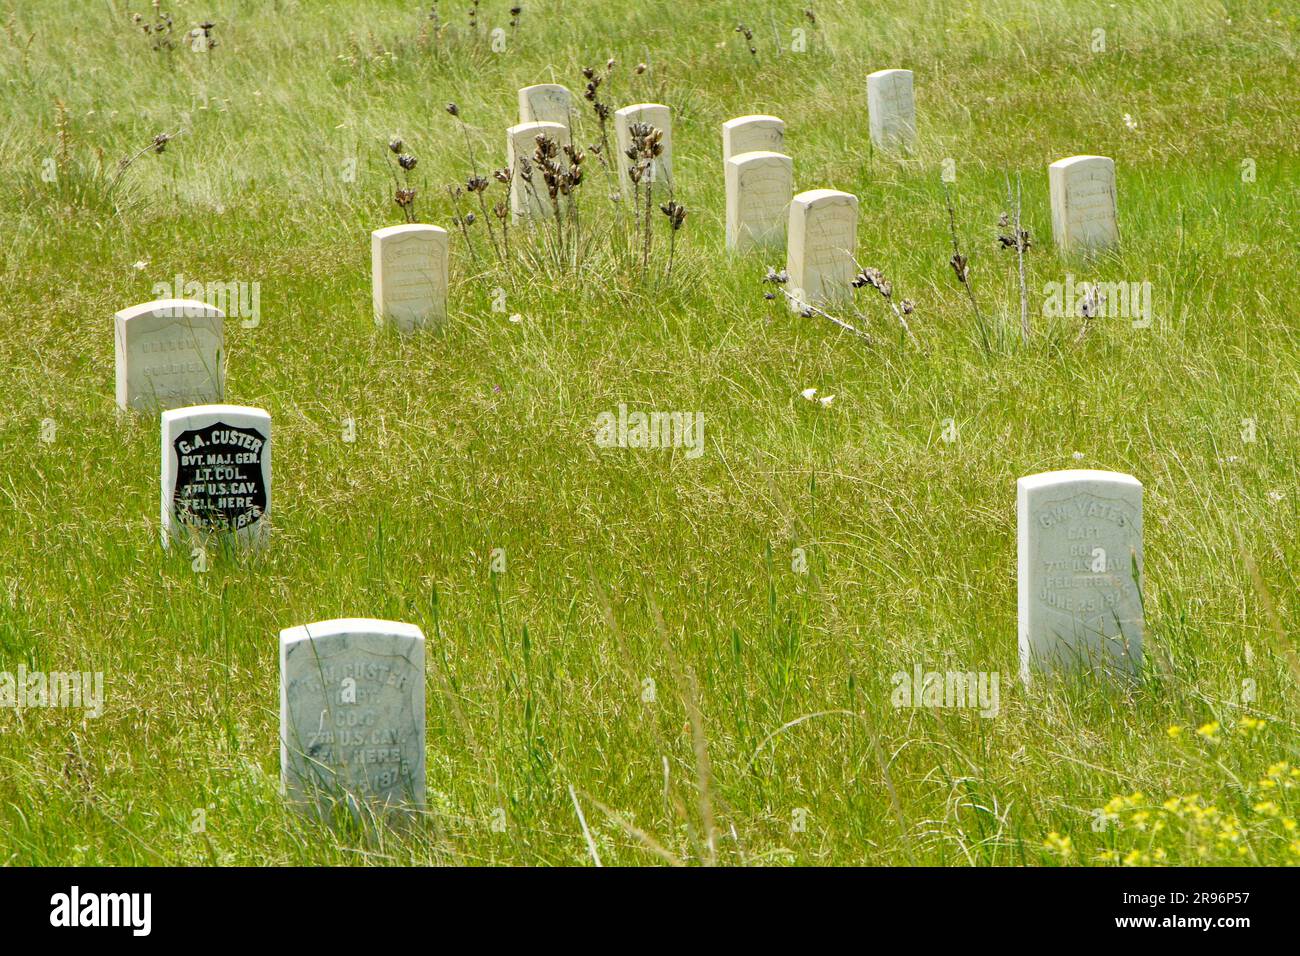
<point>1079,564</point>
<point>1083,203</point>
<point>169,353</point>
<point>821,244</point>
<point>352,715</point>
<point>891,109</point>
<point>408,271</point>
<point>546,103</point>
<point>658,116</point>
<point>751,134</point>
<point>759,189</point>
<point>215,473</point>
<point>531,199</point>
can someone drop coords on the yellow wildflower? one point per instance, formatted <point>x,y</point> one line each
<point>1061,845</point>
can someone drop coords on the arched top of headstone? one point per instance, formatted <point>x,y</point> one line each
<point>746,134</point>
<point>817,198</point>
<point>881,74</point>
<point>172,308</point>
<point>637,109</point>
<point>758,156</point>
<point>540,126</point>
<point>1069,476</point>
<point>544,88</point>
<point>545,102</point>
<point>409,229</point>
<point>1071,162</point>
<point>754,119</point>
<point>199,411</point>
<point>350,627</point>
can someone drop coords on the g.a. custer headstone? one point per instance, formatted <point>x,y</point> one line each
<point>215,473</point>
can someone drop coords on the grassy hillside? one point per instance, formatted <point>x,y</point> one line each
<point>767,734</point>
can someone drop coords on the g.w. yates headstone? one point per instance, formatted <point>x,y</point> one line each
<point>1080,572</point>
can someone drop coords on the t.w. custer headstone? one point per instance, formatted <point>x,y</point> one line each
<point>408,270</point>
<point>216,473</point>
<point>1083,203</point>
<point>821,242</point>
<point>752,134</point>
<point>759,188</point>
<point>529,195</point>
<point>1079,564</point>
<point>352,715</point>
<point>891,109</point>
<point>660,170</point>
<point>169,353</point>
<point>546,103</point>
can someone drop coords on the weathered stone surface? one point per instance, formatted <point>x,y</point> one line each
<point>821,242</point>
<point>408,269</point>
<point>759,190</point>
<point>169,353</point>
<point>352,715</point>
<point>1079,569</point>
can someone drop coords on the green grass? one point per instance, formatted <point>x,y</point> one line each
<point>629,565</point>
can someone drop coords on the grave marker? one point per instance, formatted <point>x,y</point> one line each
<point>759,188</point>
<point>352,715</point>
<point>821,244</point>
<point>216,473</point>
<point>408,274</point>
<point>530,199</point>
<point>752,134</point>
<point>169,353</point>
<point>891,109</point>
<point>658,116</point>
<point>546,103</point>
<point>1083,203</point>
<point>1079,564</point>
